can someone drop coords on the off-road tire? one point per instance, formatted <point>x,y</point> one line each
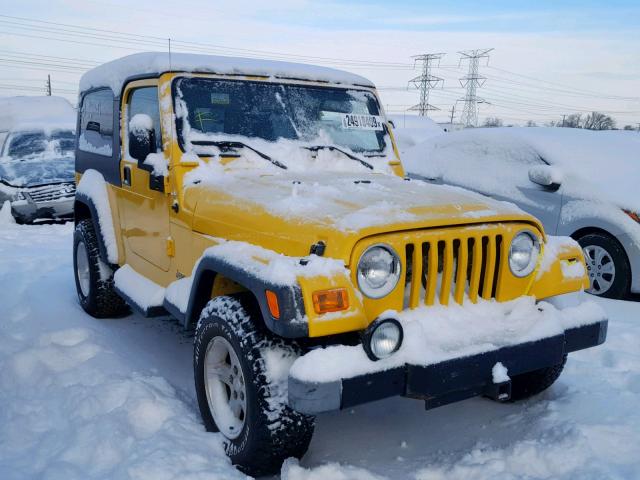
<point>532,383</point>
<point>272,432</point>
<point>622,281</point>
<point>102,300</point>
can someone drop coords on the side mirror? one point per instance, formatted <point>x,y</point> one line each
<point>546,176</point>
<point>393,125</point>
<point>142,139</point>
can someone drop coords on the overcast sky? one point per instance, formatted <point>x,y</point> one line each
<point>549,58</point>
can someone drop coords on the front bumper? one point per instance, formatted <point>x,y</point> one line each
<point>445,382</point>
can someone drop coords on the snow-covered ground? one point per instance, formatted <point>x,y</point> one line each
<point>85,398</point>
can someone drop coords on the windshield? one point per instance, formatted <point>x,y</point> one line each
<point>34,158</point>
<point>346,118</point>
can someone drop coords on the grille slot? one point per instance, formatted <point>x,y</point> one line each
<point>440,271</point>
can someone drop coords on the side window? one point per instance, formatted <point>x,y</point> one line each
<point>96,123</point>
<point>145,100</point>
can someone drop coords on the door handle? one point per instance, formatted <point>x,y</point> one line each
<point>126,175</point>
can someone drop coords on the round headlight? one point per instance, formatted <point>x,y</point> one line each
<point>382,339</point>
<point>523,253</point>
<point>378,271</point>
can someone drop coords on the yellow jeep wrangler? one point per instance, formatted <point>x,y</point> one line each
<point>263,204</point>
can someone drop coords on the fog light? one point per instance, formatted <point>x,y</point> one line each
<point>382,339</point>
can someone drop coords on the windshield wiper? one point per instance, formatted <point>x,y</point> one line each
<point>226,145</point>
<point>315,148</point>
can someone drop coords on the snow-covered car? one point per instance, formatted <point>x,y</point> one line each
<point>37,145</point>
<point>579,183</point>
<point>263,204</point>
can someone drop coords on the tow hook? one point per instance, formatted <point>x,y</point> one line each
<point>500,392</point>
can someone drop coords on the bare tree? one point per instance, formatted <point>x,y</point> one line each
<point>493,122</point>
<point>628,127</point>
<point>599,121</point>
<point>552,123</point>
<point>531,123</point>
<point>572,121</point>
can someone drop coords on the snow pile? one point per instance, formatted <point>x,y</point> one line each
<point>76,402</point>
<point>6,217</point>
<point>114,73</point>
<point>93,185</point>
<point>411,130</point>
<point>435,334</point>
<point>140,289</point>
<point>292,470</point>
<point>39,113</point>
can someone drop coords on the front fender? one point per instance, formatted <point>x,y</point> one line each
<point>561,269</point>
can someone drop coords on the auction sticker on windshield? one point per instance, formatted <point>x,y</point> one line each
<point>362,122</point>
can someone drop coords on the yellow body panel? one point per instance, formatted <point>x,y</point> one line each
<point>452,258</point>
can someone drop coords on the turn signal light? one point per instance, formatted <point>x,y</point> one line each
<point>633,215</point>
<point>272,303</point>
<point>334,300</point>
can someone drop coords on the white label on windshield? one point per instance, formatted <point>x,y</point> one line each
<point>362,122</point>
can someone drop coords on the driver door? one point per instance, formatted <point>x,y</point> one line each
<point>143,203</point>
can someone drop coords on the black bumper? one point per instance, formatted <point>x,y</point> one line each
<point>445,382</point>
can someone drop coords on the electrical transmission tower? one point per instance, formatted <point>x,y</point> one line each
<point>48,85</point>
<point>472,81</point>
<point>425,82</point>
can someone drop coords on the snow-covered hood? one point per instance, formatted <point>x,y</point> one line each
<point>305,208</point>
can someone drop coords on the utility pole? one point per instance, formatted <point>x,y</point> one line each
<point>472,81</point>
<point>453,110</point>
<point>563,117</point>
<point>49,85</point>
<point>425,82</point>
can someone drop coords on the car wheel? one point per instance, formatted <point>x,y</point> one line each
<point>94,278</point>
<point>607,265</point>
<point>238,393</point>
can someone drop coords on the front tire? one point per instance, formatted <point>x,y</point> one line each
<point>94,278</point>
<point>529,384</point>
<point>242,392</point>
<point>607,266</point>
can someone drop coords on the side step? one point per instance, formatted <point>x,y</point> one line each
<point>143,295</point>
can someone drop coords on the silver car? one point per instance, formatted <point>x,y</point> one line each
<point>37,175</point>
<point>579,184</point>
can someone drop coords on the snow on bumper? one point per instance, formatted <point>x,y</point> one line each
<point>449,353</point>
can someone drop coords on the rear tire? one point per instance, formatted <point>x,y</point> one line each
<point>604,253</point>
<point>532,383</point>
<point>94,278</point>
<point>265,431</point>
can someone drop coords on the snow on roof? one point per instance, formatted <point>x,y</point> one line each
<point>25,113</point>
<point>113,74</point>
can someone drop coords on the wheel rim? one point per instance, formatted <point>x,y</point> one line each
<point>82,269</point>
<point>225,387</point>
<point>601,269</point>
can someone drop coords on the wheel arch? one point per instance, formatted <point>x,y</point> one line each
<point>85,209</point>
<point>290,324</point>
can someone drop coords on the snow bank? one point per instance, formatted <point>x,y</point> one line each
<point>93,185</point>
<point>80,400</point>
<point>6,217</point>
<point>36,113</point>
<point>436,334</point>
<point>114,73</point>
<point>292,470</point>
<point>411,130</point>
